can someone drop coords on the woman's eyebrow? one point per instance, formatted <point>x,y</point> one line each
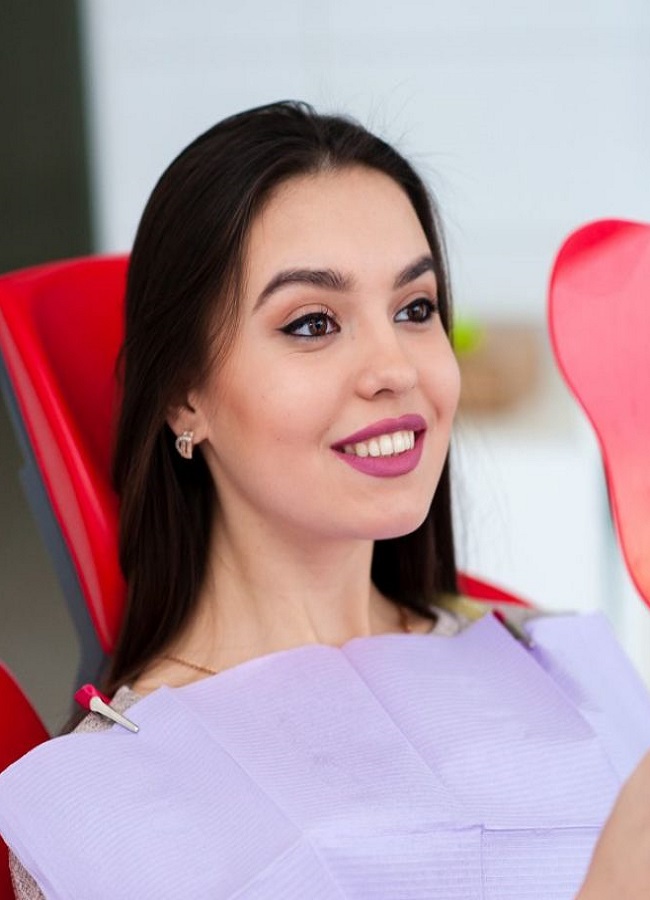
<point>414,270</point>
<point>321,278</point>
<point>331,280</point>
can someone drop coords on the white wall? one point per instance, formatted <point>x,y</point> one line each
<point>530,118</point>
<point>526,118</point>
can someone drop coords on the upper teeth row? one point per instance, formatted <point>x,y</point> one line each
<point>384,445</point>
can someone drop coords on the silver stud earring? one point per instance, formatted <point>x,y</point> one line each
<point>184,443</point>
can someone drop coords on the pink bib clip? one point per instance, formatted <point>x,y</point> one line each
<point>91,699</point>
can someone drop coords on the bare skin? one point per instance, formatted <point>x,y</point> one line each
<point>386,620</point>
<point>620,866</point>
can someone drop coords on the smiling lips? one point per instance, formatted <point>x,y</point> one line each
<point>386,449</point>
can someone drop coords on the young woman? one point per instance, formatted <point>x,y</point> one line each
<point>312,721</point>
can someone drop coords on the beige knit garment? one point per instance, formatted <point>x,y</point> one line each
<point>447,625</point>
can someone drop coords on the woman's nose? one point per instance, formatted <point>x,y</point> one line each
<point>386,367</point>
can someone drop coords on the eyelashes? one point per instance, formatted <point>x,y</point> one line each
<point>313,325</point>
<point>420,310</point>
<point>320,324</point>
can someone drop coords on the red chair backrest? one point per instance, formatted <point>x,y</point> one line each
<point>599,318</point>
<point>60,332</point>
<point>21,730</point>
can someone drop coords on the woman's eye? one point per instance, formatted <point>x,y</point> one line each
<point>420,310</point>
<point>313,325</point>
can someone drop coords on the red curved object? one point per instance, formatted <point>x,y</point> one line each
<point>599,319</point>
<point>20,731</point>
<point>481,590</point>
<point>60,332</point>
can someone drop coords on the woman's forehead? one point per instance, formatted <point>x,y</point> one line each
<point>352,220</point>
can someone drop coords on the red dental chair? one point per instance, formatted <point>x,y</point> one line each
<point>60,331</point>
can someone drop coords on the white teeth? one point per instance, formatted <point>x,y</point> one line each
<point>384,445</point>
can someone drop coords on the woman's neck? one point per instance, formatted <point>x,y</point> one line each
<point>267,593</point>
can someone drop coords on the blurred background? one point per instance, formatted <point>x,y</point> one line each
<point>525,119</point>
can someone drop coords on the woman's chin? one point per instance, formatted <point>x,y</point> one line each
<point>398,526</point>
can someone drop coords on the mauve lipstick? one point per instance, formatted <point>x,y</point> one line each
<point>385,466</point>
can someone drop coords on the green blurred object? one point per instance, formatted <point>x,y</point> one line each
<point>467,335</point>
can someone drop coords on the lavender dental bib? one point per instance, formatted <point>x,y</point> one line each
<point>401,766</point>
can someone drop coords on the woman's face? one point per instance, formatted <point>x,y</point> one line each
<point>331,417</point>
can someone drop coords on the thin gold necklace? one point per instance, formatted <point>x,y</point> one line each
<point>404,623</point>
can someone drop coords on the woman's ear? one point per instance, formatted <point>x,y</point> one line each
<point>187,417</point>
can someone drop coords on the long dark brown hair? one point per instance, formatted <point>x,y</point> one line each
<point>183,285</point>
